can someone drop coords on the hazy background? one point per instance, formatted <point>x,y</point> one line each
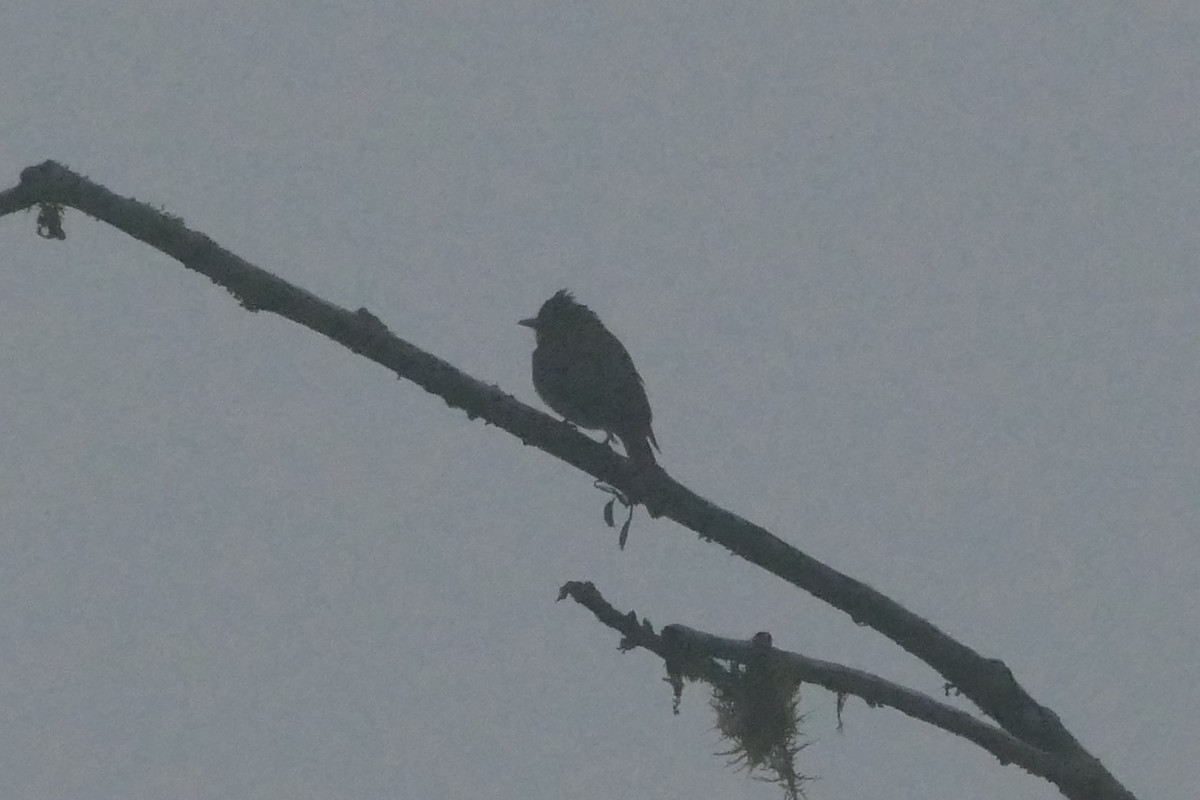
<point>913,285</point>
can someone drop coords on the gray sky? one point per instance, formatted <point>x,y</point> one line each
<point>913,285</point>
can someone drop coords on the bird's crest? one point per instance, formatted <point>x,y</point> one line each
<point>563,307</point>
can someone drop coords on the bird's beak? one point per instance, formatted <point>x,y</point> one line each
<point>528,323</point>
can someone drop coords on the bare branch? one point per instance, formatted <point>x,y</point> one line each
<point>986,682</point>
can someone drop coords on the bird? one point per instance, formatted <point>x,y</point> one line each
<point>584,373</point>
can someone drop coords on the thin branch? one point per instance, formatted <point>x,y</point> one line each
<point>707,649</point>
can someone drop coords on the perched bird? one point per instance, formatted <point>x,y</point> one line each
<point>585,374</point>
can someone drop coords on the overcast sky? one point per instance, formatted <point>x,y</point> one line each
<point>914,286</point>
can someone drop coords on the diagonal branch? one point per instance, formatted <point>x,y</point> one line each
<point>986,682</point>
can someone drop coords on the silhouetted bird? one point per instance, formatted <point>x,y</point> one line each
<point>585,374</point>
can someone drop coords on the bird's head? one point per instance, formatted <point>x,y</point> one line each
<point>561,313</point>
